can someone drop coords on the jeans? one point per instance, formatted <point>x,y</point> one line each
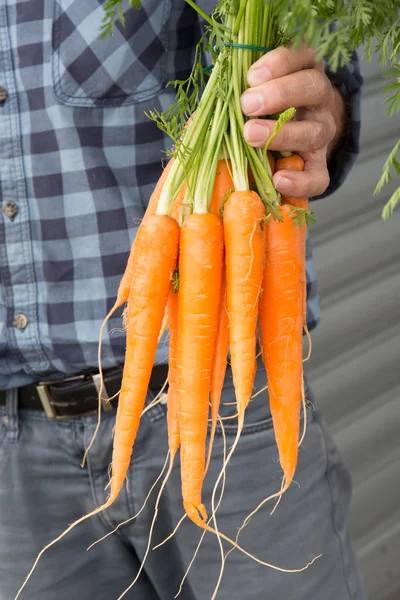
<point>43,489</point>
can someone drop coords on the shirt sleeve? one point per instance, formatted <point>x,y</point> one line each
<point>348,80</point>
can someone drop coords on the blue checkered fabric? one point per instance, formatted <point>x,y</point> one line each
<point>78,162</point>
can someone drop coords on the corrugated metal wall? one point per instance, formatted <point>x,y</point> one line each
<point>355,366</point>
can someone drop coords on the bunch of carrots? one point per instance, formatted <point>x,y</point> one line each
<point>214,277</point>
<point>220,258</point>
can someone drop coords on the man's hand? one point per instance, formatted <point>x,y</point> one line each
<point>287,77</point>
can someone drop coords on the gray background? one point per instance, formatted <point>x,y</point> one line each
<point>355,364</point>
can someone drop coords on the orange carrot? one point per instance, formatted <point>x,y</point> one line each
<point>172,411</point>
<point>175,214</point>
<point>244,259</point>
<point>222,184</point>
<point>244,213</point>
<point>171,316</point>
<point>292,163</point>
<point>296,163</point>
<point>123,292</point>
<point>125,284</point>
<point>123,289</point>
<point>219,366</point>
<point>281,321</point>
<point>200,268</point>
<point>154,263</point>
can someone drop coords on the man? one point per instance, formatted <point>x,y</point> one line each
<point>79,159</point>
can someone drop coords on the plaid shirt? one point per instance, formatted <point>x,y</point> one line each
<point>78,162</point>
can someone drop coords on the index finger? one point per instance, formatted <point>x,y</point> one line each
<point>280,62</point>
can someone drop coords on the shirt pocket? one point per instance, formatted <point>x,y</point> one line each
<point>130,67</point>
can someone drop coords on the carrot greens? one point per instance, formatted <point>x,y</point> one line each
<point>334,28</point>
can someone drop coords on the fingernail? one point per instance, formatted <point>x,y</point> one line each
<point>256,133</point>
<point>258,75</point>
<point>251,102</point>
<point>284,185</point>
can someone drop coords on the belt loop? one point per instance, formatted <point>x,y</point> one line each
<point>12,415</point>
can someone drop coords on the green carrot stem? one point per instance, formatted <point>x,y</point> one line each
<point>201,12</point>
<point>188,149</point>
<point>239,17</point>
<point>212,149</point>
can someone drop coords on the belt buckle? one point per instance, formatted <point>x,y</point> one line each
<point>50,410</point>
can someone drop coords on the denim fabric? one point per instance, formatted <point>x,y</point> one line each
<point>43,489</point>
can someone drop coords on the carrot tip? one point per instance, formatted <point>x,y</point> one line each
<point>197,514</point>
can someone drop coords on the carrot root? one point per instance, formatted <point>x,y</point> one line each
<point>60,537</point>
<point>151,529</point>
<point>213,517</point>
<point>255,558</point>
<point>139,511</point>
<point>171,535</point>
<point>218,367</point>
<point>104,323</point>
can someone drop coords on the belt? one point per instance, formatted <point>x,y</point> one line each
<point>78,396</point>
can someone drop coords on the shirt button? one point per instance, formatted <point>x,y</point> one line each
<point>10,210</point>
<point>20,321</point>
<point>3,95</point>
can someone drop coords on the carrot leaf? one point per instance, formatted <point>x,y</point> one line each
<point>389,207</point>
<point>393,101</point>
<point>284,118</point>
<point>275,213</point>
<point>386,178</point>
<point>224,200</point>
<point>335,28</point>
<point>113,11</point>
<point>302,216</point>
